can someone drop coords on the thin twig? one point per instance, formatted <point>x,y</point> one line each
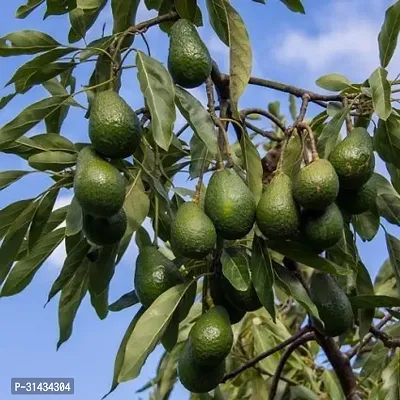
<point>387,340</point>
<point>264,113</point>
<point>303,109</point>
<point>267,134</point>
<point>313,145</point>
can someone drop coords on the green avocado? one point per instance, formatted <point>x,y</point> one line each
<point>333,305</point>
<point>211,337</point>
<point>353,159</point>
<point>192,232</point>
<point>197,378</point>
<point>316,186</point>
<point>98,186</point>
<point>230,205</point>
<point>104,231</point>
<point>278,215</point>
<point>322,229</point>
<point>189,61</point>
<point>114,128</point>
<point>358,201</point>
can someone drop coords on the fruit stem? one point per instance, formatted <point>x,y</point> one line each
<point>196,198</point>
<point>205,306</point>
<point>156,213</point>
<point>349,122</point>
<point>314,152</point>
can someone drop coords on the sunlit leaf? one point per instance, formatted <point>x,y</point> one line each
<point>333,82</point>
<point>52,161</point>
<point>74,218</point>
<point>368,301</point>
<point>294,5</point>
<point>389,33</point>
<point>381,93</point>
<point>7,178</point>
<point>391,378</point>
<point>24,10</point>
<point>137,205</point>
<point>393,246</point>
<point>236,268</point>
<point>387,139</point>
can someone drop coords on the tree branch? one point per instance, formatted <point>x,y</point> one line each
<point>144,25</point>
<point>303,109</point>
<point>266,354</point>
<point>387,340</point>
<point>264,113</point>
<point>288,352</point>
<point>266,134</point>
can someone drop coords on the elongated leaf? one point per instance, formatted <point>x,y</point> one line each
<point>52,161</point>
<point>368,301</point>
<point>294,5</point>
<point>41,216</point>
<point>60,7</point>
<point>198,118</point>
<point>24,10</point>
<point>198,153</point>
<point>387,139</point>
<point>236,268</point>
<point>149,330</point>
<point>26,42</point>
<point>53,142</point>
<point>391,378</point>
<point>381,93</point>
<point>7,178</point>
<point>389,33</point>
<point>136,206</point>
<point>333,82</point>
<point>186,9</point>
<point>99,302</point>
<point>375,363</point>
<point>124,14</point>
<point>262,275</point>
<point>393,246</point>
<point>292,156</point>
<point>364,286</point>
<point>127,300</point>
<point>158,89</point>
<point>10,213</point>
<point>366,224</point>
<point>71,297</point>
<point>74,218</point>
<point>24,270</point>
<point>332,385</point>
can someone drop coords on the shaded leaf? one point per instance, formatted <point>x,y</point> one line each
<point>99,302</point>
<point>333,82</point>
<point>142,238</point>
<point>9,177</point>
<point>24,10</point>
<point>198,153</point>
<point>127,300</point>
<point>391,378</point>
<point>332,385</point>
<point>387,139</point>
<point>294,5</point>
<point>393,246</point>
<point>292,156</point>
<point>389,33</point>
<point>74,218</point>
<point>375,363</point>
<point>10,213</point>
<point>381,93</point>
<point>366,224</point>
<point>236,268</point>
<point>186,8</point>
<point>52,161</point>
<point>124,14</point>
<point>367,301</point>
<point>137,205</point>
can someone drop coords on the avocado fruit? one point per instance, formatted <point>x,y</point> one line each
<point>321,229</point>
<point>334,307</point>
<point>211,337</point>
<point>103,231</point>
<point>353,159</point>
<point>316,186</point>
<point>197,378</point>
<point>114,128</point>
<point>278,215</point>
<point>358,201</point>
<point>98,186</point>
<point>189,61</point>
<point>230,205</point>
<point>193,234</point>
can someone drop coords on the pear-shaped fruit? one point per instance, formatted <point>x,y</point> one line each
<point>211,337</point>
<point>98,185</point>
<point>189,61</point>
<point>353,159</point>
<point>334,307</point>
<point>278,215</point>
<point>230,205</point>
<point>114,128</point>
<point>316,186</point>
<point>322,229</point>
<point>358,201</point>
<point>104,231</point>
<point>192,232</point>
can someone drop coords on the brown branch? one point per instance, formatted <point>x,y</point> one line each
<point>286,355</point>
<point>143,26</point>
<point>303,109</point>
<point>264,113</point>
<point>266,134</point>
<point>387,340</point>
<point>266,354</point>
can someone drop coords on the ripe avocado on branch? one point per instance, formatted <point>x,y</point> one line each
<point>189,61</point>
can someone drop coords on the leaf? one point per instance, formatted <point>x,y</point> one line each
<point>381,93</point>
<point>53,142</point>
<point>24,270</point>
<point>41,216</point>
<point>127,300</point>
<point>198,153</point>
<point>52,161</point>
<point>294,5</point>
<point>198,118</point>
<point>235,267</point>
<point>26,42</point>
<point>149,330</point>
<point>10,213</point>
<point>74,218</point>
<point>375,363</point>
<point>292,156</point>
<point>389,33</point>
<point>367,301</point>
<point>262,275</point>
<point>142,238</point>
<point>332,386</point>
<point>393,246</point>
<point>71,297</point>
<point>333,82</point>
<point>60,7</point>
<point>124,14</point>
<point>99,302</point>
<point>29,118</point>
<point>391,378</point>
<point>24,10</point>
<point>364,286</point>
<point>7,178</point>
<point>366,224</point>
<point>293,106</point>
<point>136,206</point>
<point>394,176</point>
<point>119,360</point>
<point>387,139</point>
<point>186,9</point>
<point>301,254</point>
<point>158,89</point>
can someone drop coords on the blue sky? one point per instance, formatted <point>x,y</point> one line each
<point>334,36</point>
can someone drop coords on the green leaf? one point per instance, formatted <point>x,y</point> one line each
<point>74,218</point>
<point>293,106</point>
<point>99,302</point>
<point>29,118</point>
<point>375,363</point>
<point>198,152</point>
<point>127,300</point>
<point>332,385</point>
<point>389,33</point>
<point>366,224</point>
<point>391,378</point>
<point>60,7</point>
<point>292,156</point>
<point>137,205</point>
<point>24,10</point>
<point>387,139</point>
<point>158,89</point>
<point>73,261</point>
<point>381,93</point>
<point>236,268</point>
<point>72,295</point>
<point>24,270</point>
<point>52,161</point>
<point>385,280</point>
<point>142,238</point>
<point>198,118</point>
<point>149,330</point>
<point>262,275</point>
<point>26,42</point>
<point>294,5</point>
<point>41,216</point>
<point>7,178</point>
<point>10,213</point>
<point>124,14</point>
<point>393,246</point>
<point>186,8</point>
<point>367,301</point>
<point>119,360</point>
<point>333,82</point>
<point>53,142</point>
<point>394,176</point>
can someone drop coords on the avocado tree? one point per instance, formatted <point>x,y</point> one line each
<point>250,276</point>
